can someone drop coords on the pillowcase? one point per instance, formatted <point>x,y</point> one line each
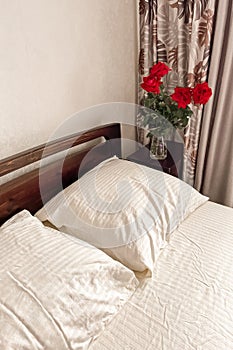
<point>125,209</point>
<point>56,292</point>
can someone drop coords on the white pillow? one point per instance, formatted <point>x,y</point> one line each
<point>125,209</point>
<point>56,292</point>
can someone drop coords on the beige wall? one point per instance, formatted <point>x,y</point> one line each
<point>58,57</point>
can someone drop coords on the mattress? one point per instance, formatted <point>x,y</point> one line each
<point>188,304</point>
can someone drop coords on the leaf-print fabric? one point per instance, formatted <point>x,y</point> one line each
<point>178,33</point>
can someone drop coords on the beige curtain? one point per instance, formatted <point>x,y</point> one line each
<point>178,32</point>
<point>214,176</point>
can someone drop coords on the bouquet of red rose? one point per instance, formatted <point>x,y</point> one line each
<point>173,108</point>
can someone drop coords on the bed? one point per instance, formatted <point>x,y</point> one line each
<point>68,286</point>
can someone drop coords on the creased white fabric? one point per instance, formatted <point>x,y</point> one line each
<point>188,304</point>
<point>124,208</point>
<point>56,292</point>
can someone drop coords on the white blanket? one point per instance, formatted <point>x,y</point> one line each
<point>188,304</point>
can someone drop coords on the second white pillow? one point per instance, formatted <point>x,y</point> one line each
<point>123,208</point>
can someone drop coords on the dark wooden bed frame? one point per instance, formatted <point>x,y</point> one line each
<point>24,191</point>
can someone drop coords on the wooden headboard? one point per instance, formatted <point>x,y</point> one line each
<point>24,191</point>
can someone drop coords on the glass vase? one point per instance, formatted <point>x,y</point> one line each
<point>158,148</point>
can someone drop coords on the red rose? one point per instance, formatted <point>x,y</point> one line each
<point>182,96</point>
<point>201,93</point>
<point>151,84</point>
<point>159,70</point>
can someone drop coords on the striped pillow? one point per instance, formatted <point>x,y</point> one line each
<point>125,209</point>
<point>56,292</point>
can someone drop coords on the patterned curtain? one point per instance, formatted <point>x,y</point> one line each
<point>178,32</point>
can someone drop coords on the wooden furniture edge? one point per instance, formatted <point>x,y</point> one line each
<point>32,189</point>
<point>34,154</point>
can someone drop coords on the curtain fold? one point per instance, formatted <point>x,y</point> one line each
<point>214,175</point>
<point>179,34</point>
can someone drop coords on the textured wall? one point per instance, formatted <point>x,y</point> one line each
<point>59,57</point>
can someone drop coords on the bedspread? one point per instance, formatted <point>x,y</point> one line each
<point>188,304</point>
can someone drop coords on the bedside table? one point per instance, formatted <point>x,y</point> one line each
<point>172,165</point>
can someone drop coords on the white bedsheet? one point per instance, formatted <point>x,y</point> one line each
<point>189,302</point>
